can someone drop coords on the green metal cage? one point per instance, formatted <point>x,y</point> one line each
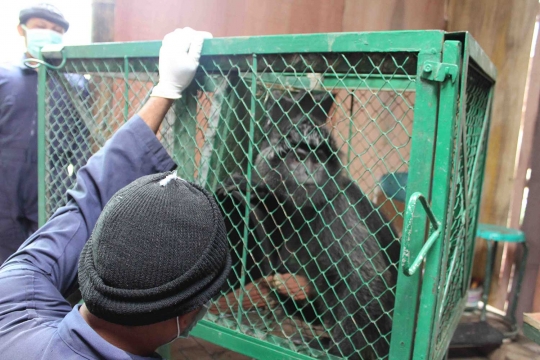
<point>408,124</point>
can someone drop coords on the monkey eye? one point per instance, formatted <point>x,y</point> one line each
<point>302,151</point>
<point>322,153</point>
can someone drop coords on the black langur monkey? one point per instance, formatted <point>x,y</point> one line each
<point>310,222</point>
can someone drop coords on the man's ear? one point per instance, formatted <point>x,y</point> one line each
<point>20,30</point>
<point>186,319</point>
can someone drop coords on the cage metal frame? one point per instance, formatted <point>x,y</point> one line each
<point>439,122</point>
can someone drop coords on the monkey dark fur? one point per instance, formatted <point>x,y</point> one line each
<point>310,219</point>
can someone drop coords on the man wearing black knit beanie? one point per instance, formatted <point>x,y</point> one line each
<point>150,248</point>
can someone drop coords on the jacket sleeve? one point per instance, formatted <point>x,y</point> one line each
<point>54,250</point>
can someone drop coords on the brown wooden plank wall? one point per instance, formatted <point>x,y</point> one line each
<point>504,29</point>
<point>151,20</point>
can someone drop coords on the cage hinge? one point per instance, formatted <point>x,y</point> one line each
<point>437,71</point>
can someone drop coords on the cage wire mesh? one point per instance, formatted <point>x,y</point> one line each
<point>216,132</point>
<point>470,142</point>
<point>307,155</point>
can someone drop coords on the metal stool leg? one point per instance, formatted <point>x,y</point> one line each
<point>511,314</point>
<point>492,247</point>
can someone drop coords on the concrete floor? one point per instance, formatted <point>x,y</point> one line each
<point>193,348</point>
<point>520,349</point>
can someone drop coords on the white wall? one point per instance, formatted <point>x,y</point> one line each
<point>77,12</point>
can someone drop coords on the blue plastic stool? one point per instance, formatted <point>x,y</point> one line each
<point>493,235</point>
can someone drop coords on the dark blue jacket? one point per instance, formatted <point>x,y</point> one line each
<point>35,320</point>
<point>68,145</point>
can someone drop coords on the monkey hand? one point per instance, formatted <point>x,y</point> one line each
<point>291,285</point>
<point>256,295</point>
<point>178,61</point>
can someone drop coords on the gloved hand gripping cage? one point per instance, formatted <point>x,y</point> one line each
<point>341,162</point>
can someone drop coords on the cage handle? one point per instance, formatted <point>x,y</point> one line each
<point>410,269</point>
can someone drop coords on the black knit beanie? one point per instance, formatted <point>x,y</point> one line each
<point>44,11</point>
<point>159,250</point>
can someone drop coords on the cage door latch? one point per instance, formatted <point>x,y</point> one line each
<point>438,71</point>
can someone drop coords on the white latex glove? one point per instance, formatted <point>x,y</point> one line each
<point>178,60</point>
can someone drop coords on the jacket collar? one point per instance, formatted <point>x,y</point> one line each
<point>82,339</point>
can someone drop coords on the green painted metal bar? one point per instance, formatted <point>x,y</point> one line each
<point>481,59</point>
<point>374,82</point>
<point>440,198</point>
<point>360,82</point>
<point>407,268</point>
<point>249,170</point>
<point>480,184</point>
<point>462,116</point>
<point>480,149</point>
<point>419,180</point>
<point>382,41</point>
<point>529,330</point>
<point>126,89</point>
<point>400,83</point>
<point>446,273</point>
<point>447,270</point>
<point>475,52</point>
<point>243,344</point>
<point>41,140</point>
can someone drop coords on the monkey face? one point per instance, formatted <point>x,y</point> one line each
<point>298,157</point>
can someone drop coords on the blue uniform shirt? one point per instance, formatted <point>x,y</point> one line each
<point>18,146</point>
<point>18,156</point>
<point>35,320</point>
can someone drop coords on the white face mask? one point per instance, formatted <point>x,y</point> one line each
<point>185,333</point>
<point>38,38</point>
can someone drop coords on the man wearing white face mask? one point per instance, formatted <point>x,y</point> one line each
<point>40,25</point>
